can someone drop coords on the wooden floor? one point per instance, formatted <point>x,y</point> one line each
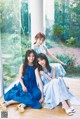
<point>57,113</point>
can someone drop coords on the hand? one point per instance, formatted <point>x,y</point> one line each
<point>64,64</point>
<point>41,72</point>
<point>24,89</point>
<point>41,100</point>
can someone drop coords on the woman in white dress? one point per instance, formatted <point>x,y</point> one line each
<point>39,47</point>
<point>54,89</point>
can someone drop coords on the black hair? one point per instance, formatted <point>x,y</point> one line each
<point>43,56</point>
<point>25,64</point>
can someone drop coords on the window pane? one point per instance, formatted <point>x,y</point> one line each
<point>14,37</point>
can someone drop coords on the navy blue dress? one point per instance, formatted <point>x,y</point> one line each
<point>30,98</point>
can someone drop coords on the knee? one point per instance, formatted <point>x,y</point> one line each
<point>6,97</point>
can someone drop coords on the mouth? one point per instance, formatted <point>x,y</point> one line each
<point>42,64</point>
<point>31,60</point>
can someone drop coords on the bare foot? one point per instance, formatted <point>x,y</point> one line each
<point>3,105</point>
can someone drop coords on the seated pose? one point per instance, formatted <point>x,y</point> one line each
<point>26,91</point>
<point>54,89</point>
<point>39,47</point>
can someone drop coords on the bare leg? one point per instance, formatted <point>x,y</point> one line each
<point>68,103</point>
<point>69,109</point>
<point>6,103</point>
<point>10,102</point>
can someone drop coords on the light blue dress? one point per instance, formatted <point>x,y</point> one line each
<point>60,72</point>
<point>55,91</point>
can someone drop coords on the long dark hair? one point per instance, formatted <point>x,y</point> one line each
<point>25,64</point>
<point>43,56</point>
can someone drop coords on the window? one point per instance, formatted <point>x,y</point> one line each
<point>14,40</point>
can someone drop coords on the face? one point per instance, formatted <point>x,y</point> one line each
<point>42,62</point>
<point>31,58</point>
<point>40,41</point>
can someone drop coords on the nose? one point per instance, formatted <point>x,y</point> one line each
<point>31,58</point>
<point>41,42</point>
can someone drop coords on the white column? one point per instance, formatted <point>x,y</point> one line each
<point>36,7</point>
<point>1,79</point>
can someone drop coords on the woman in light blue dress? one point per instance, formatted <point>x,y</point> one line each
<point>39,47</point>
<point>27,91</point>
<point>54,89</point>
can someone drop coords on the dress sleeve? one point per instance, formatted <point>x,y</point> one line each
<point>35,49</point>
<point>45,47</point>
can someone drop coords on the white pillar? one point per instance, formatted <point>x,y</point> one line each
<point>1,79</point>
<point>36,7</point>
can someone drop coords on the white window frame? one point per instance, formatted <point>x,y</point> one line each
<point>1,76</point>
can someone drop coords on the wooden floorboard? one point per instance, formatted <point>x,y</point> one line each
<point>57,113</point>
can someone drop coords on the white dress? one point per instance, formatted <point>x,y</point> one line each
<point>55,91</point>
<point>60,72</point>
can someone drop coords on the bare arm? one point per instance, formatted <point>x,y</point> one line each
<point>46,75</point>
<point>20,78</point>
<point>53,57</point>
<point>39,80</point>
<point>53,73</point>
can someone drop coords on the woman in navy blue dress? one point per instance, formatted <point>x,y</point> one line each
<point>27,91</point>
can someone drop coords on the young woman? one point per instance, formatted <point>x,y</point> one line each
<point>27,91</point>
<point>39,47</point>
<point>55,90</point>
